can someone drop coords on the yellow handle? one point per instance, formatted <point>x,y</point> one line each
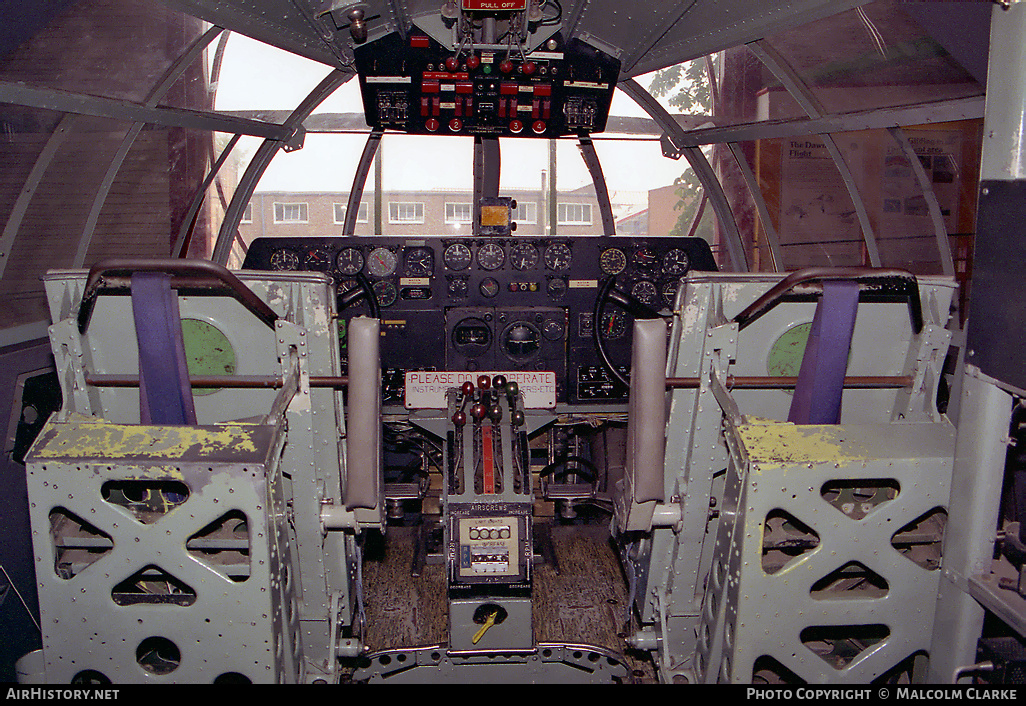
<point>484,628</point>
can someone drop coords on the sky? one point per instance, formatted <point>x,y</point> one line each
<point>257,76</point>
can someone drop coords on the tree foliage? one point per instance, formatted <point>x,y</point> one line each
<point>686,87</point>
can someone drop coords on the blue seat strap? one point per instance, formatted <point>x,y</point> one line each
<point>165,396</point>
<point>817,395</point>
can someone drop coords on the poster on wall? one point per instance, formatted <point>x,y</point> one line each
<point>818,221</point>
<point>818,225</point>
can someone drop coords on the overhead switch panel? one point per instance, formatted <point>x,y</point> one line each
<point>418,86</point>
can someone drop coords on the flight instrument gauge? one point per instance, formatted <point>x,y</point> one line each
<point>646,259</point>
<point>524,256</point>
<point>284,260</point>
<point>645,292</point>
<point>613,261</point>
<point>419,262</point>
<point>385,292</point>
<point>457,257</point>
<point>381,262</point>
<point>318,260</point>
<point>558,256</point>
<point>669,290</point>
<point>490,256</point>
<point>614,325</point>
<point>349,261</point>
<point>676,262</point>
<point>489,287</point>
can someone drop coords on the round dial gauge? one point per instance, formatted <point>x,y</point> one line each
<point>676,262</point>
<point>553,330</point>
<point>645,259</point>
<point>613,261</point>
<point>670,291</point>
<point>458,288</point>
<point>381,262</point>
<point>318,260</point>
<point>524,256</point>
<point>645,291</point>
<point>614,325</point>
<point>489,287</point>
<point>419,262</point>
<point>490,256</point>
<point>346,285</point>
<point>457,257</point>
<point>284,260</point>
<point>556,287</point>
<point>521,340</point>
<point>385,292</point>
<point>349,261</point>
<point>558,256</point>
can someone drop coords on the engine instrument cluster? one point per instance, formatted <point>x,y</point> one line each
<point>496,303</point>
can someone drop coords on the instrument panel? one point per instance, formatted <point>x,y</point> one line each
<point>496,303</point>
<point>416,85</point>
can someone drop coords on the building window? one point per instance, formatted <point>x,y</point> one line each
<point>247,214</point>
<point>525,212</point>
<point>362,215</point>
<point>405,212</point>
<point>568,214</point>
<point>457,213</point>
<point>290,213</point>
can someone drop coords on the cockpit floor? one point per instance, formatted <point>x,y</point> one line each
<point>579,593</point>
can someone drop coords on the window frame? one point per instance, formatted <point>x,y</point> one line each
<point>396,218</point>
<point>304,214</point>
<point>561,213</point>
<point>453,221</point>
<point>362,212</point>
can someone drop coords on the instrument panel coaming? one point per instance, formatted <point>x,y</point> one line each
<point>495,303</point>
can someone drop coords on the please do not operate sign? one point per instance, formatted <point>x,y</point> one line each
<point>426,389</point>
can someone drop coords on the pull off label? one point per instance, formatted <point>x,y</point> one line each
<point>501,5</point>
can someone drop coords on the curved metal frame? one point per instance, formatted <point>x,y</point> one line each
<point>798,90</point>
<point>591,159</point>
<point>264,154</point>
<point>197,201</point>
<point>189,221</point>
<point>35,177</point>
<point>940,230</point>
<point>772,239</point>
<point>370,151</point>
<point>160,89</point>
<point>675,134</point>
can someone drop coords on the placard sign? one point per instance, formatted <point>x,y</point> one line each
<point>493,5</point>
<point>426,390</point>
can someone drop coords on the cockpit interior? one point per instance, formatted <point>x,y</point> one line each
<point>513,341</point>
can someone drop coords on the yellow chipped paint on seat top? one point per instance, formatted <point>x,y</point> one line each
<point>101,439</point>
<point>788,444</point>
